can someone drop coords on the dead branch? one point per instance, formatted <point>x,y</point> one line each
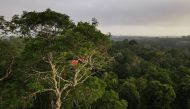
<point>8,71</point>
<point>55,79</point>
<point>32,94</point>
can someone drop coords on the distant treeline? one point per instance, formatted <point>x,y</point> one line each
<point>182,43</point>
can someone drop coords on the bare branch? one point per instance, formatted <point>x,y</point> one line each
<point>39,91</point>
<point>67,93</point>
<point>67,81</point>
<point>39,72</point>
<point>77,73</point>
<point>58,83</point>
<point>9,70</point>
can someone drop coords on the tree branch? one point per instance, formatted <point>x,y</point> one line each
<point>9,70</point>
<point>40,91</point>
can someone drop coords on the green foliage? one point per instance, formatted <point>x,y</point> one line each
<point>111,100</point>
<point>111,80</point>
<point>183,93</point>
<point>85,94</point>
<point>11,96</point>
<point>53,32</point>
<point>158,95</point>
<point>159,74</point>
<point>128,91</point>
<point>166,66</point>
<point>133,74</point>
<point>42,24</point>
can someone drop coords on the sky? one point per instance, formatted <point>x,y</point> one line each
<point>119,17</point>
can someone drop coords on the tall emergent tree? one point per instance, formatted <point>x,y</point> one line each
<point>58,55</point>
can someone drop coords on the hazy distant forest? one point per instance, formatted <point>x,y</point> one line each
<point>49,62</point>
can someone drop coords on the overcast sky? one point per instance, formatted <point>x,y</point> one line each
<point>120,17</point>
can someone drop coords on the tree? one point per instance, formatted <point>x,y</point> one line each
<point>94,22</point>
<point>58,83</point>
<point>6,27</point>
<point>11,89</point>
<point>183,97</point>
<point>133,42</point>
<point>158,95</point>
<point>8,71</point>
<point>128,91</point>
<point>111,100</point>
<point>10,49</point>
<point>70,57</point>
<point>41,24</point>
<point>70,65</point>
<point>58,55</point>
<point>159,74</point>
<point>111,80</point>
<point>86,94</point>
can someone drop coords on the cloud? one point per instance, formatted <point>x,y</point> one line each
<point>118,14</point>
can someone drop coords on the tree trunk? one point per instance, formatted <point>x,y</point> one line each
<point>58,101</point>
